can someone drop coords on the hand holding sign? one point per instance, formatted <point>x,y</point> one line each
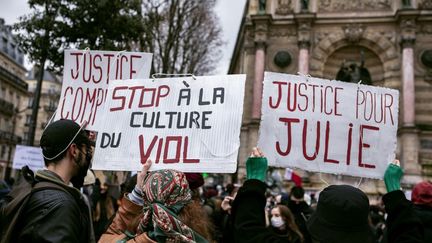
<point>256,165</point>
<point>141,175</point>
<point>392,176</point>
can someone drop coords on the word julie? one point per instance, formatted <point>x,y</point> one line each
<point>363,131</point>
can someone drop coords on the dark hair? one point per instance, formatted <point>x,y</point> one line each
<point>290,223</point>
<point>297,192</point>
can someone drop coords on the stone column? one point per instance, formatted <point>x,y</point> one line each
<point>408,89</point>
<point>258,80</point>
<point>408,133</point>
<point>261,23</point>
<point>304,29</point>
<point>303,59</point>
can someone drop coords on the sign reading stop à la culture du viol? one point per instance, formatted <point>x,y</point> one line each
<point>188,124</point>
<point>328,126</point>
<point>86,76</point>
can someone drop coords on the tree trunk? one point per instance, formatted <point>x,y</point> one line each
<point>35,107</point>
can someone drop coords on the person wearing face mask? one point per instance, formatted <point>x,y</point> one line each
<point>282,223</point>
<point>51,214</point>
<point>248,207</point>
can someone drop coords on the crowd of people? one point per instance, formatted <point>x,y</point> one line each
<point>171,206</point>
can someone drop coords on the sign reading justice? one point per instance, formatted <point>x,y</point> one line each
<point>86,77</point>
<point>328,126</point>
<point>188,124</point>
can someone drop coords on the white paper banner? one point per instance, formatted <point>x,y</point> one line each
<point>86,76</point>
<point>192,125</point>
<point>27,155</point>
<point>328,126</point>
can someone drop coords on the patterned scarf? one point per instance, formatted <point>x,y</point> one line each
<point>165,193</point>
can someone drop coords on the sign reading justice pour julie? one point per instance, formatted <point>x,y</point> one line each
<point>328,126</point>
<point>188,124</point>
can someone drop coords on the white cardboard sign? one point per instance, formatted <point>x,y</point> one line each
<point>86,76</point>
<point>28,155</point>
<point>188,124</point>
<point>328,126</point>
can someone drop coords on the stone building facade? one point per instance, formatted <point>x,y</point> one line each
<point>13,90</point>
<point>392,38</point>
<point>50,95</point>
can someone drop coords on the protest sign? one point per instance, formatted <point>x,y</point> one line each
<point>328,126</point>
<point>27,155</point>
<point>188,124</point>
<point>86,76</point>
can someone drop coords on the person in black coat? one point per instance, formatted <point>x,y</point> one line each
<point>301,210</point>
<point>402,223</point>
<point>53,215</point>
<point>248,215</point>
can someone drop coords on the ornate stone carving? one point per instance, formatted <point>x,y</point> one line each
<point>284,7</point>
<point>408,32</point>
<point>376,34</point>
<point>353,32</point>
<point>354,5</point>
<point>425,4</point>
<point>319,36</point>
<point>304,30</point>
<point>279,32</point>
<point>304,44</point>
<point>261,27</point>
<point>253,7</point>
<point>331,35</point>
<point>426,29</point>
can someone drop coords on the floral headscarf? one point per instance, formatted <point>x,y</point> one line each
<point>165,193</point>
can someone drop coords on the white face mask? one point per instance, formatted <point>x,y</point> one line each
<point>277,222</point>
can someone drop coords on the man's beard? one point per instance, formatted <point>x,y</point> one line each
<point>78,179</point>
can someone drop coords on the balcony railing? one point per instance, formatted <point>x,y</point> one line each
<point>6,107</point>
<point>9,137</point>
<point>15,80</point>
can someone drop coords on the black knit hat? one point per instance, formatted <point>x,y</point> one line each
<point>59,135</point>
<point>341,216</point>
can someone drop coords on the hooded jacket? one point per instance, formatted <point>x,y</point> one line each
<point>248,215</point>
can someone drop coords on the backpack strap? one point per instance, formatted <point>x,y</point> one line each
<point>37,186</point>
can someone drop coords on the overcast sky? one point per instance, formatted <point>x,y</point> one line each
<point>229,11</point>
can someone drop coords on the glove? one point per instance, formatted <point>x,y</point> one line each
<point>392,177</point>
<point>256,168</point>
